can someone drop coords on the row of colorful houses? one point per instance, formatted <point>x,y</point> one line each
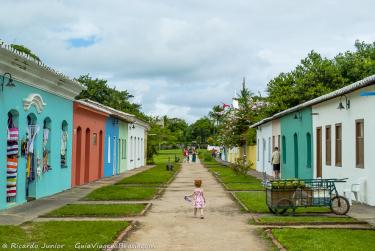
<point>245,153</point>
<point>50,142</point>
<point>332,136</point>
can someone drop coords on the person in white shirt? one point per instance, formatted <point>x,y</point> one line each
<point>276,162</point>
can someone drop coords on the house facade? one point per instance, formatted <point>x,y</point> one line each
<point>123,146</point>
<point>88,143</point>
<point>111,163</point>
<point>264,148</point>
<point>36,104</point>
<point>136,144</point>
<point>344,138</point>
<point>296,144</point>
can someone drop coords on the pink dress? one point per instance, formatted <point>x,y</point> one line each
<point>198,198</point>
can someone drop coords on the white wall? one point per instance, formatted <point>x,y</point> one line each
<point>264,148</point>
<point>233,154</point>
<point>136,141</point>
<point>328,114</point>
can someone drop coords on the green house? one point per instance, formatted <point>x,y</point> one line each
<point>296,144</point>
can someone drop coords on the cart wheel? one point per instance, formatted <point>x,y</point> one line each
<point>283,203</point>
<point>340,205</point>
<point>271,210</point>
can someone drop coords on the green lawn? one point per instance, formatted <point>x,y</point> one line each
<point>245,186</point>
<point>228,175</point>
<point>304,219</point>
<point>256,203</point>
<point>118,192</point>
<point>157,175</point>
<point>64,233</point>
<point>98,210</point>
<point>163,156</point>
<point>325,239</point>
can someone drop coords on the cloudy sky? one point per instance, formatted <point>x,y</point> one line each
<point>182,57</point>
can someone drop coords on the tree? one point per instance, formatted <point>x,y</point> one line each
<point>99,91</point>
<point>234,129</point>
<point>316,76</point>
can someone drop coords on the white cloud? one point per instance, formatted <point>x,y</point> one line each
<point>183,57</point>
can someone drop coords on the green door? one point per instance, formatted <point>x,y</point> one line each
<point>295,155</point>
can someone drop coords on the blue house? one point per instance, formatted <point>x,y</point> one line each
<point>111,153</point>
<point>115,152</point>
<point>36,106</point>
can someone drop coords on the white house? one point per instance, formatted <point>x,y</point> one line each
<point>137,143</point>
<point>264,148</point>
<point>344,139</point>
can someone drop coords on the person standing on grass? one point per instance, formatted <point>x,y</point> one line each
<point>276,162</point>
<point>199,201</point>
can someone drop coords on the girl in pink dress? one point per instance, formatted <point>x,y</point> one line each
<point>199,201</point>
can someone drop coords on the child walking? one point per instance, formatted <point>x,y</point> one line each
<point>199,201</point>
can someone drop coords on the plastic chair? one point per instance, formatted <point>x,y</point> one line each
<point>356,188</point>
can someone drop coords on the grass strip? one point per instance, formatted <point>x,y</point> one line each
<point>118,192</point>
<point>244,186</point>
<point>325,239</point>
<point>157,175</point>
<point>61,235</point>
<point>304,219</point>
<point>100,210</point>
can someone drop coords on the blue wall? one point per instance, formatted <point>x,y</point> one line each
<point>58,110</point>
<point>111,131</point>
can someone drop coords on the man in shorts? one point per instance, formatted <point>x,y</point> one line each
<point>276,162</point>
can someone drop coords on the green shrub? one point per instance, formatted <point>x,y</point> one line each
<point>242,166</point>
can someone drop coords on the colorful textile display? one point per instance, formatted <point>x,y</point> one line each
<point>32,131</point>
<point>46,167</point>
<point>12,148</point>
<point>12,161</point>
<point>13,134</point>
<point>64,143</point>
<point>12,164</point>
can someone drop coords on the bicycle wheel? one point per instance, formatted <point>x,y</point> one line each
<point>271,210</point>
<point>283,203</point>
<point>340,205</point>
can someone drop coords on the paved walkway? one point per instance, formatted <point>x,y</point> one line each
<point>170,225</point>
<point>32,210</point>
<point>363,212</point>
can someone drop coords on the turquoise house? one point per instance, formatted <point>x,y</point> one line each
<point>36,106</point>
<point>296,144</point>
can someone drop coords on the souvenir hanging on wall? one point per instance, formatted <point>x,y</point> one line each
<point>12,159</point>
<point>46,166</point>
<point>63,150</point>
<point>32,131</point>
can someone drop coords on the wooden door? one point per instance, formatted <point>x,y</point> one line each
<point>318,152</point>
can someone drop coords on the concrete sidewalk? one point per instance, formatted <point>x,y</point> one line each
<point>170,224</point>
<point>33,209</point>
<point>363,212</point>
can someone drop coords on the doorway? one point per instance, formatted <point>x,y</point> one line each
<point>318,152</point>
<point>78,156</point>
<point>87,157</point>
<point>295,155</point>
<point>100,155</point>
